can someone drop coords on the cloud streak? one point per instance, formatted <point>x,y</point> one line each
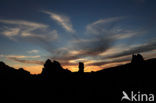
<point>33,51</point>
<point>102,25</point>
<point>26,29</point>
<point>102,35</point>
<point>19,56</point>
<point>64,21</point>
<point>26,61</point>
<point>137,49</point>
<point>25,23</point>
<point>23,59</point>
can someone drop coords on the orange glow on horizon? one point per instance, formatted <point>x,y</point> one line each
<point>34,69</point>
<point>94,68</point>
<point>37,69</point>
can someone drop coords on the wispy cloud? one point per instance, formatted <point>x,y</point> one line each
<point>112,28</point>
<point>23,58</point>
<point>19,56</point>
<point>146,47</point>
<point>25,23</point>
<point>26,61</point>
<point>64,21</point>
<point>11,32</point>
<point>122,54</point>
<point>102,34</point>
<point>41,35</point>
<point>99,46</point>
<point>26,29</point>
<point>100,26</point>
<point>33,51</point>
<point>116,60</point>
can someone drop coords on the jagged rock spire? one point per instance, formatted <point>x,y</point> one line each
<point>81,67</point>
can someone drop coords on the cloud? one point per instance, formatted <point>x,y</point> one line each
<point>125,55</point>
<point>25,23</point>
<point>23,59</point>
<point>101,36</point>
<point>41,35</point>
<point>11,32</point>
<point>95,46</point>
<point>25,29</point>
<point>26,61</point>
<point>108,61</point>
<point>113,27</point>
<point>19,56</point>
<point>64,21</point>
<point>146,47</point>
<point>33,51</point>
<point>97,27</point>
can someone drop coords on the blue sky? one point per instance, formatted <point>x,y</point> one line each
<point>100,33</point>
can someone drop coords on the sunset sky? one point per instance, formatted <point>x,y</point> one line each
<point>100,33</point>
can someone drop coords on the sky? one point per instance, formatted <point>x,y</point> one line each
<point>100,33</point>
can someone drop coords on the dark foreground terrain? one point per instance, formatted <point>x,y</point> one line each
<point>56,84</point>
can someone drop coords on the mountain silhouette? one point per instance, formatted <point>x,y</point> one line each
<point>9,73</point>
<point>58,84</point>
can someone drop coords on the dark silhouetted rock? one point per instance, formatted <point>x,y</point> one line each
<point>53,69</point>
<point>137,59</point>
<point>81,67</point>
<point>58,84</point>
<point>9,73</point>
